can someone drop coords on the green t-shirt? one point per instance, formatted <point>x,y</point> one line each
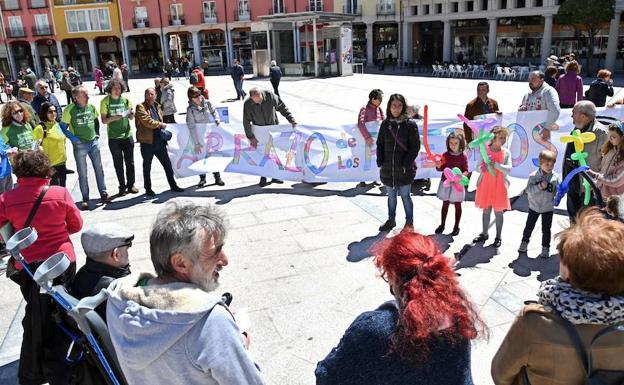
<point>119,129</point>
<point>18,135</point>
<point>81,121</point>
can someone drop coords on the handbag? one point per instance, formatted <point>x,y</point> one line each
<point>165,135</point>
<point>8,230</point>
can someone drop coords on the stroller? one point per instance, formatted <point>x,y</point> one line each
<point>91,351</point>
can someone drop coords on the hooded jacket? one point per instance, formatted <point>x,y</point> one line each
<point>199,115</point>
<point>542,201</point>
<point>176,334</point>
<point>167,100</point>
<point>598,92</point>
<point>396,159</point>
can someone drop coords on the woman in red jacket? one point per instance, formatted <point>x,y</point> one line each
<point>56,218</point>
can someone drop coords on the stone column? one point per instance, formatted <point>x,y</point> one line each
<point>315,48</point>
<point>36,61</point>
<point>547,37</point>
<point>197,48</point>
<point>61,54</point>
<point>614,31</point>
<point>12,60</point>
<point>370,58</point>
<point>407,42</point>
<point>446,47</point>
<point>295,46</point>
<point>92,54</point>
<point>491,53</point>
<point>164,45</point>
<point>126,53</point>
<point>269,48</point>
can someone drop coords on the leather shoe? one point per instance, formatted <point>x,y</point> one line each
<point>263,182</point>
<point>389,225</point>
<point>481,238</point>
<point>455,231</point>
<point>177,189</point>
<point>440,229</point>
<point>133,190</point>
<point>497,242</point>
<point>150,193</point>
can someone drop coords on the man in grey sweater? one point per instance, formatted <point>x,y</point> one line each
<point>261,110</point>
<point>542,97</point>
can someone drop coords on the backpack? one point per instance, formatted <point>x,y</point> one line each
<point>592,376</point>
<point>194,78</point>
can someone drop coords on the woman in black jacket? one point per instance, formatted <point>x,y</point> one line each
<point>600,88</point>
<point>398,144</point>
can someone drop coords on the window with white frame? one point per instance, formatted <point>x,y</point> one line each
<point>210,9</point>
<point>315,5</point>
<point>86,20</point>
<point>176,12</point>
<point>42,24</point>
<point>243,7</point>
<point>11,4</point>
<point>278,6</point>
<point>352,6</point>
<point>15,25</point>
<point>140,14</point>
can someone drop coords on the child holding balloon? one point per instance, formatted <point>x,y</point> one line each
<point>454,192</point>
<point>493,183</point>
<point>611,175</point>
<point>541,190</point>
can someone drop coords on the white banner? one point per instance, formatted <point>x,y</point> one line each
<point>340,154</point>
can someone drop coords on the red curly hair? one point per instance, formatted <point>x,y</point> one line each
<point>430,295</point>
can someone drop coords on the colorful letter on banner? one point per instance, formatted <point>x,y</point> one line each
<point>333,153</point>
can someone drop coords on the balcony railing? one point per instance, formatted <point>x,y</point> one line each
<point>385,9</point>
<point>140,23</point>
<point>10,5</point>
<point>242,15</point>
<point>315,8</point>
<point>351,10</point>
<point>277,10</point>
<point>209,18</point>
<point>42,30</point>
<point>74,2</point>
<point>176,20</point>
<point>37,4</point>
<point>15,32</point>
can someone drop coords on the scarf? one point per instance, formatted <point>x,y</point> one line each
<point>581,307</point>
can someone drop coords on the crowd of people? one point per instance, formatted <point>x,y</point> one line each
<point>172,326</point>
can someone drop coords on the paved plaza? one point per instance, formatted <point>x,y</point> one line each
<point>298,257</point>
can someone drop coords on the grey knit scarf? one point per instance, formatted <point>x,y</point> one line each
<point>581,307</point>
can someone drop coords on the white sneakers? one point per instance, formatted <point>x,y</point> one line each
<point>524,247</point>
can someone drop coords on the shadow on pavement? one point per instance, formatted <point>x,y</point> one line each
<point>471,256</point>
<point>8,373</point>
<point>361,249</point>
<point>548,267</point>
<point>443,240</point>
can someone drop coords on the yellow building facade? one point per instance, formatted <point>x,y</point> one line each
<point>88,33</point>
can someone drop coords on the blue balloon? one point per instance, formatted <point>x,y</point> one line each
<point>563,187</point>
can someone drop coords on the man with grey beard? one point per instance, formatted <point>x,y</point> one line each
<point>172,328</point>
<point>584,119</point>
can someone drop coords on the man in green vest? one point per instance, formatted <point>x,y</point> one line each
<point>116,112</point>
<point>80,123</point>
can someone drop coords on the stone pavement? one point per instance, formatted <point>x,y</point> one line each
<point>298,254</point>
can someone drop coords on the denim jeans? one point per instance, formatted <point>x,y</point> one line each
<point>238,84</point>
<point>406,196</point>
<point>158,150</point>
<point>92,149</point>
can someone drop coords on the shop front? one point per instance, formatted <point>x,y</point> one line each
<point>213,48</point>
<point>108,49</point>
<point>145,51</point>
<point>48,53</point>
<point>470,40</point>
<point>77,55</point>
<point>385,42</point>
<point>22,54</point>
<point>241,44</point>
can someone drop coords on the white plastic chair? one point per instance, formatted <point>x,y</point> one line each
<point>500,74</point>
<point>452,72</point>
<point>510,74</point>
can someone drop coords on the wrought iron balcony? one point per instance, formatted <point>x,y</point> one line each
<point>242,15</point>
<point>15,32</point>
<point>42,30</point>
<point>176,21</point>
<point>209,18</point>
<point>277,10</point>
<point>351,10</point>
<point>385,9</point>
<point>140,23</point>
<point>315,8</point>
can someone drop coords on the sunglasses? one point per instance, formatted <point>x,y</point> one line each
<point>18,112</point>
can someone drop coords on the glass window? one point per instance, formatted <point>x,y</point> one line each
<point>209,9</point>
<point>176,11</point>
<point>140,13</point>
<point>86,20</point>
<point>11,4</point>
<point>278,6</point>
<point>41,22</point>
<point>15,24</point>
<point>105,24</point>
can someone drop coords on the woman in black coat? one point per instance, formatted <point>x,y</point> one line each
<point>600,88</point>
<point>398,144</point>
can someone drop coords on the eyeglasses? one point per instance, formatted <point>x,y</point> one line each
<point>18,112</point>
<point>196,96</point>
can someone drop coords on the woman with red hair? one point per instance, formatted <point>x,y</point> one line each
<point>422,337</point>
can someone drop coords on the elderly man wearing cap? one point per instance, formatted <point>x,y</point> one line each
<point>26,96</point>
<point>106,246</point>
